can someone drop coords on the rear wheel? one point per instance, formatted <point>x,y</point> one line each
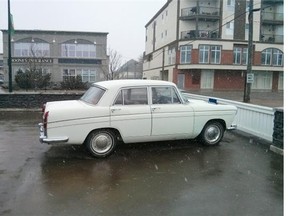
<point>212,133</point>
<point>101,143</point>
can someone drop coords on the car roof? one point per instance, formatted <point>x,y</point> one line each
<point>131,83</point>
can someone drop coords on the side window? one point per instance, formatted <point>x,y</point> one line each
<point>164,95</point>
<point>132,96</point>
<point>119,99</point>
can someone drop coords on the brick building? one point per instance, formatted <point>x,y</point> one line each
<point>204,44</point>
<point>60,53</point>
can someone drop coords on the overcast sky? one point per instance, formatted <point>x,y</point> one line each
<point>124,20</point>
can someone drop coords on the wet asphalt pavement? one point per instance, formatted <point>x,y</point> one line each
<point>239,177</point>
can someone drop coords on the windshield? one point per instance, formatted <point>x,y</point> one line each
<point>185,99</point>
<point>93,95</point>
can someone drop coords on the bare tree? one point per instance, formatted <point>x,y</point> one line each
<point>141,58</point>
<point>115,62</point>
<point>34,74</point>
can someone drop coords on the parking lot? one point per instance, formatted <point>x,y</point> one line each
<point>239,177</point>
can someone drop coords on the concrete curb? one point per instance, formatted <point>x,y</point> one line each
<point>276,150</point>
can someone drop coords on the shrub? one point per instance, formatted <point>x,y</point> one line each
<point>73,83</point>
<point>32,79</point>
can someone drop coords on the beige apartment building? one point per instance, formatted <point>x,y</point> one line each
<point>60,53</point>
<point>203,44</point>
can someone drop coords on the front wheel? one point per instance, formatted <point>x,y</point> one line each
<point>101,143</point>
<point>212,133</point>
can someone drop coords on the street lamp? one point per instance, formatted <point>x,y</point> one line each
<point>248,74</point>
<point>9,49</point>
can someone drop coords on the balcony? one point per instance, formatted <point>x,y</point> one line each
<point>270,18</point>
<point>272,38</point>
<point>198,34</point>
<point>272,1</point>
<point>202,13</point>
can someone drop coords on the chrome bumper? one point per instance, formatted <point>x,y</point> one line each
<point>232,127</point>
<point>43,138</point>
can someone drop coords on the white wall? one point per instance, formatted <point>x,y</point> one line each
<point>165,30</point>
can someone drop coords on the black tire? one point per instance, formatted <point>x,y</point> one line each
<point>101,143</point>
<point>212,133</point>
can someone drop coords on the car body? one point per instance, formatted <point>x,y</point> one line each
<point>133,111</point>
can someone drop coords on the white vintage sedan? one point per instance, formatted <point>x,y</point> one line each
<point>133,111</point>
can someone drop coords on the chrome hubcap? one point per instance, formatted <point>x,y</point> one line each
<point>102,143</point>
<point>212,134</point>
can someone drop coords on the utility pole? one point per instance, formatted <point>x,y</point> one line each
<point>163,64</point>
<point>249,75</point>
<point>247,87</point>
<point>9,49</point>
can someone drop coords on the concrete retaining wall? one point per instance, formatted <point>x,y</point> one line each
<point>33,101</point>
<point>278,132</point>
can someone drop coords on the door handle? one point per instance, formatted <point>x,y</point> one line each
<point>155,108</point>
<point>116,109</point>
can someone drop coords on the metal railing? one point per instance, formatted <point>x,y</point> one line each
<point>192,34</point>
<point>272,16</point>
<point>252,119</point>
<point>192,11</point>
<point>272,38</point>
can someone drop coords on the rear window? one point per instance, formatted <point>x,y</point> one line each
<point>93,95</point>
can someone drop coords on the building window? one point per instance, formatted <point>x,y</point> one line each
<point>262,80</point>
<point>44,71</point>
<point>87,75</point>
<point>209,54</point>
<point>245,56</point>
<point>78,50</point>
<point>237,55</point>
<point>204,54</point>
<point>67,73</point>
<point>231,3</point>
<point>185,53</point>
<point>215,55</point>
<point>230,28</point>
<point>266,57</point>
<point>277,58</point>
<point>171,56</point>
<point>273,57</point>
<point>240,55</point>
<point>247,6</point>
<point>31,50</point>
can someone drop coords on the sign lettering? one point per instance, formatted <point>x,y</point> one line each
<point>250,78</point>
<point>32,60</point>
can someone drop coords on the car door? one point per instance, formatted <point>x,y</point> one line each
<point>171,117</point>
<point>131,114</point>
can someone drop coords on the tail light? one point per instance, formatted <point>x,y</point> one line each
<point>43,108</point>
<point>45,120</point>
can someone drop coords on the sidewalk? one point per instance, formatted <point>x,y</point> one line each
<point>270,99</point>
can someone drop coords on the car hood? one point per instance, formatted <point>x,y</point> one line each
<point>200,106</point>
